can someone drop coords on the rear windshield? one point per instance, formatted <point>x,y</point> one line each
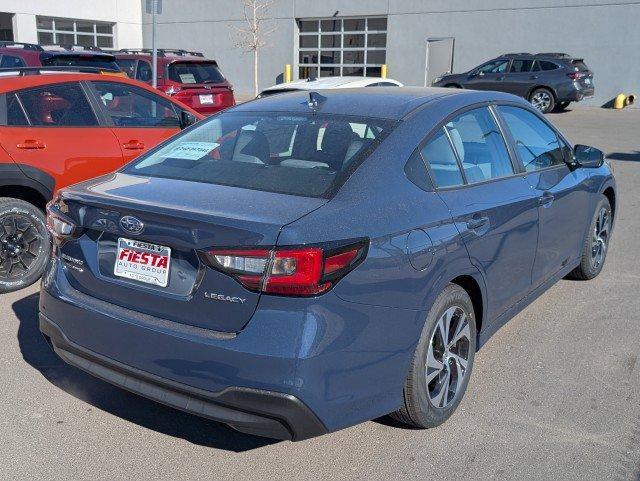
<point>306,155</point>
<point>579,65</point>
<point>195,73</point>
<point>81,61</point>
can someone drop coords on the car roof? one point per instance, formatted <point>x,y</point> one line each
<point>329,83</point>
<point>376,102</point>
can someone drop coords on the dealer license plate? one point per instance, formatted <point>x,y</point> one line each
<point>143,262</point>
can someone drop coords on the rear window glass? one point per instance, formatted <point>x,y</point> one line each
<point>195,73</point>
<point>306,155</point>
<point>579,65</point>
<point>81,61</point>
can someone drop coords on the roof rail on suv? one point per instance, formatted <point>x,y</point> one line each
<point>162,52</point>
<point>519,54</point>
<point>71,48</point>
<point>553,54</point>
<point>21,45</point>
<point>24,71</point>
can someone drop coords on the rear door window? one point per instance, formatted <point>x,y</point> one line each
<point>536,143</point>
<point>15,114</point>
<point>144,72</point>
<point>521,66</point>
<point>545,65</point>
<point>11,61</point>
<point>195,73</point>
<point>442,161</point>
<point>57,105</point>
<point>130,106</point>
<point>477,139</point>
<point>128,66</point>
<point>307,155</point>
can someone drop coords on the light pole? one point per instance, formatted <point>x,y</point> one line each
<point>154,7</point>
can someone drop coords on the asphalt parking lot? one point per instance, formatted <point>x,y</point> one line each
<point>555,394</point>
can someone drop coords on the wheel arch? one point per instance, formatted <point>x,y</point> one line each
<point>17,184</point>
<point>546,87</point>
<point>610,194</point>
<point>26,193</point>
<point>472,287</point>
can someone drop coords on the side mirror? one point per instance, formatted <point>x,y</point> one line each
<point>585,156</point>
<point>187,119</point>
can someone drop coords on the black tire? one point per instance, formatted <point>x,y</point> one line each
<point>546,102</point>
<point>597,237</point>
<point>24,244</point>
<point>418,409</point>
<point>560,106</point>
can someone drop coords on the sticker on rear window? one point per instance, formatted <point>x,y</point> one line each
<point>191,150</point>
<point>187,78</point>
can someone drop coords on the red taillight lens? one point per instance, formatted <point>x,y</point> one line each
<point>306,271</point>
<point>576,75</point>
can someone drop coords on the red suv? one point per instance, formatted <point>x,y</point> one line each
<point>17,54</point>
<point>186,76</point>
<point>58,129</point>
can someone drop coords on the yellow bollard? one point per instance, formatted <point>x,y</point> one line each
<point>383,71</point>
<point>619,101</point>
<point>287,73</point>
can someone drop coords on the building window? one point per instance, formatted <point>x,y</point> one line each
<point>65,31</point>
<point>342,46</point>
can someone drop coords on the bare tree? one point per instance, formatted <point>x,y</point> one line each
<point>252,37</point>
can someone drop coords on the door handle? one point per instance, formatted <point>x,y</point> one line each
<point>133,145</point>
<point>546,200</point>
<point>31,144</point>
<point>477,222</point>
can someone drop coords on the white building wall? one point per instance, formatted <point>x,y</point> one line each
<point>126,14</point>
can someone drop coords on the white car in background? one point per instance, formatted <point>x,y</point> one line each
<point>329,83</point>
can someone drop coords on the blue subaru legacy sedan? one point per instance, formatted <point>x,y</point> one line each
<point>308,261</point>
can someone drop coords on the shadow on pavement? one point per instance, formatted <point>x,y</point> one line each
<point>116,401</point>
<point>625,156</point>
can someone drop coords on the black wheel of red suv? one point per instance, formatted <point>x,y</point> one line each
<point>442,363</point>
<point>24,244</point>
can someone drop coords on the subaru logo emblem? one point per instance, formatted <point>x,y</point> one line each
<point>131,224</point>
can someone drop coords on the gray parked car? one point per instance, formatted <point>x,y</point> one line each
<point>548,80</point>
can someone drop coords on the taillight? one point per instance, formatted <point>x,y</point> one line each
<point>576,75</point>
<point>304,271</point>
<point>59,226</point>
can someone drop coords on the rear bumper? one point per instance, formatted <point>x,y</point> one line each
<point>322,353</point>
<point>251,411</point>
<point>574,93</point>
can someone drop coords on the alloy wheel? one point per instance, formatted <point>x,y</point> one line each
<point>20,246</point>
<point>448,356</point>
<point>541,101</point>
<point>600,237</point>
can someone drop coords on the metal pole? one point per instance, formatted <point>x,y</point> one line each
<point>154,57</point>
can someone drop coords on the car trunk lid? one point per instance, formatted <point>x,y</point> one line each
<point>203,216</point>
